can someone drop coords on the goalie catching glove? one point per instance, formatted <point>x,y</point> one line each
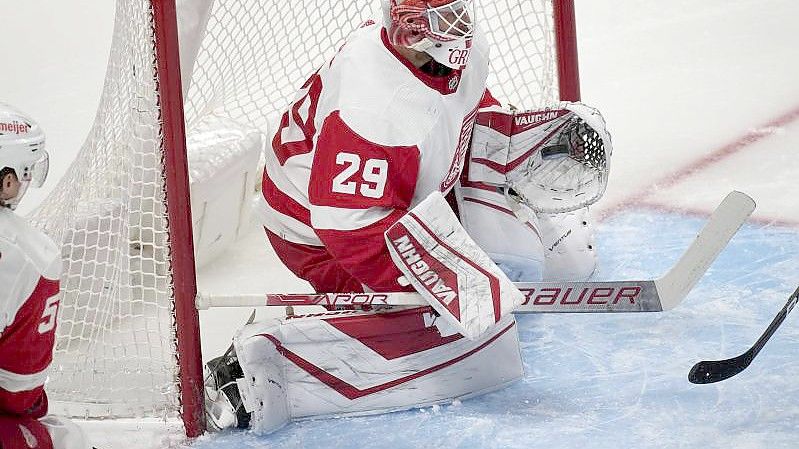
<point>552,160</point>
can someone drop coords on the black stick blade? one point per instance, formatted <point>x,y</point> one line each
<point>710,371</point>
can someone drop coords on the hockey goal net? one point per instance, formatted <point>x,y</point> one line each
<point>128,338</point>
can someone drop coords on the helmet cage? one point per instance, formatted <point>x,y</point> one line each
<point>451,21</point>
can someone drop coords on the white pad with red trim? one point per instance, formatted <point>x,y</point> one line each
<point>358,363</point>
<point>449,270</point>
<point>556,159</point>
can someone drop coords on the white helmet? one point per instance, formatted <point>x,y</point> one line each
<point>22,150</point>
<point>441,28</point>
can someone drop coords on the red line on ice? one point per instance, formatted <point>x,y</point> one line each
<point>743,142</point>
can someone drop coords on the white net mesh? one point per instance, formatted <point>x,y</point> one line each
<point>116,353</point>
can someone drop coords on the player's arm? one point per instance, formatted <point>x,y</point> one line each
<point>358,188</point>
<point>28,309</point>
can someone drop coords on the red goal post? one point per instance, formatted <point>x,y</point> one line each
<point>128,335</point>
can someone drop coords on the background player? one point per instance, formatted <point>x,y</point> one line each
<point>30,266</point>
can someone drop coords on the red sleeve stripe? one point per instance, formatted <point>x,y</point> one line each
<point>283,203</point>
<point>493,280</point>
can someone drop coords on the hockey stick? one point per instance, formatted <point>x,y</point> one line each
<point>709,371</point>
<point>600,296</point>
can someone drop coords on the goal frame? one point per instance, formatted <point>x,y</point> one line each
<point>178,202</point>
<point>178,208</point>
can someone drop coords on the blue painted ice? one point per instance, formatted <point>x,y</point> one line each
<point>620,381</point>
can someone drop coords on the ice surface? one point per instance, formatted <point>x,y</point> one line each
<point>614,381</point>
<point>678,82</point>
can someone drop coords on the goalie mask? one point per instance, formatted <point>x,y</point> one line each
<point>441,28</point>
<point>22,150</point>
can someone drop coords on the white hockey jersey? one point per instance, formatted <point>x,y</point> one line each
<point>368,137</point>
<point>30,265</point>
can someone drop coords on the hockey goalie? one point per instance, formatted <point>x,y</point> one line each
<point>394,169</point>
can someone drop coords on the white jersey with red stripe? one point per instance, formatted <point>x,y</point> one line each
<point>368,137</point>
<point>30,266</point>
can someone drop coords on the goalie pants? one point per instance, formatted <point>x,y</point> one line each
<point>315,265</point>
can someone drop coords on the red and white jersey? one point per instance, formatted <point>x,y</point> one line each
<point>30,265</point>
<point>367,138</point>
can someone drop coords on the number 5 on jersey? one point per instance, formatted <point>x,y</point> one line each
<point>47,322</point>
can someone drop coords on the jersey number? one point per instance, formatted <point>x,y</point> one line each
<point>374,175</point>
<point>47,322</point>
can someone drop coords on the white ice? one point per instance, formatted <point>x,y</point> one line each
<point>701,98</point>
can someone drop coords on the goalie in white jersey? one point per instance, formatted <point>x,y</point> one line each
<point>30,266</point>
<point>353,201</point>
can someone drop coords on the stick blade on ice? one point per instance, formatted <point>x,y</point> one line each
<point>710,371</point>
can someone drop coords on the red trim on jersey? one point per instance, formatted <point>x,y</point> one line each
<point>26,348</point>
<point>283,203</point>
<point>351,172</point>
<point>493,280</point>
<point>442,84</point>
<point>352,392</point>
<point>285,150</point>
<point>394,335</point>
<point>364,254</point>
<point>23,349</point>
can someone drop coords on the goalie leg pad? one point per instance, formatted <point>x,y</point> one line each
<point>358,363</point>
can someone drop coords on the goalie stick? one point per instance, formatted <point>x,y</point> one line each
<point>710,371</point>
<point>655,295</point>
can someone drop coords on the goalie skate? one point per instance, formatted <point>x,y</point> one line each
<point>223,403</point>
